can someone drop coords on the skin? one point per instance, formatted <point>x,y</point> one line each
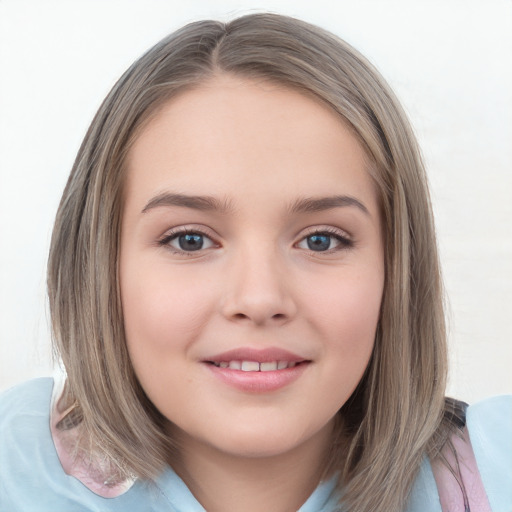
<point>258,149</point>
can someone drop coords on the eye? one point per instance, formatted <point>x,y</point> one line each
<point>325,241</point>
<point>187,241</point>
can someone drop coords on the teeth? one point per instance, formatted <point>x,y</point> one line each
<point>268,367</point>
<point>255,366</point>
<point>250,366</point>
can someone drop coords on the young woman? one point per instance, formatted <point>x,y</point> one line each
<point>245,293</point>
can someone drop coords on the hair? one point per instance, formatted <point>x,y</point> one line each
<point>397,413</point>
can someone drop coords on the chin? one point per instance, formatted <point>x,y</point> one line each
<point>256,446</point>
<point>268,441</point>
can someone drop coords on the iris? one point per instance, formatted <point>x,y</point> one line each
<point>191,242</point>
<point>319,242</point>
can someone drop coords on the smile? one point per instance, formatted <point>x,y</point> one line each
<point>255,366</point>
<point>250,370</point>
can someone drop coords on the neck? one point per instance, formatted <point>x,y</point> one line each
<point>282,483</point>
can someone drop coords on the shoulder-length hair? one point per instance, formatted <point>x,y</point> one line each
<point>395,415</point>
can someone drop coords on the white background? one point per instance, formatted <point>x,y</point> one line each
<point>449,61</point>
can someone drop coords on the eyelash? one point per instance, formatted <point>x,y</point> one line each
<point>166,240</point>
<point>345,242</point>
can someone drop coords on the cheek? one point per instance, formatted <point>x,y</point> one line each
<point>162,309</point>
<point>346,313</point>
<point>350,303</point>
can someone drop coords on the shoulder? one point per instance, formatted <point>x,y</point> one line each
<point>489,425</point>
<point>24,421</point>
<point>31,475</point>
<point>484,454</point>
<point>25,443</point>
<point>34,388</point>
<point>491,416</point>
<point>30,400</point>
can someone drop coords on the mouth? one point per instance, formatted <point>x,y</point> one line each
<point>256,366</point>
<point>257,370</point>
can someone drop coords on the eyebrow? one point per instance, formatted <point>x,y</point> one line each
<point>209,203</point>
<point>203,203</point>
<point>314,204</point>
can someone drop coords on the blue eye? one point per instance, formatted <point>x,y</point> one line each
<point>187,241</point>
<point>319,242</point>
<point>322,241</point>
<point>191,242</point>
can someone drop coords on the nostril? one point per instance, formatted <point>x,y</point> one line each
<point>242,316</point>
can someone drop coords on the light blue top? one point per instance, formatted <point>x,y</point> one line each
<point>32,478</point>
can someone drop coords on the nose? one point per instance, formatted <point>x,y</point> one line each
<point>258,289</point>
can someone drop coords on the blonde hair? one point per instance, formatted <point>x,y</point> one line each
<point>395,416</point>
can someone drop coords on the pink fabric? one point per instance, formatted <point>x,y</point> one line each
<point>77,467</point>
<point>450,492</point>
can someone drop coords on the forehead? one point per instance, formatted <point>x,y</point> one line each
<point>235,133</point>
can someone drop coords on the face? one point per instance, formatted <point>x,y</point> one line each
<point>251,266</point>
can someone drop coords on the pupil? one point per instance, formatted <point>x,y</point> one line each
<point>191,242</point>
<point>319,242</point>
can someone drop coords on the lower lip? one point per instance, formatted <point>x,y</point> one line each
<point>258,382</point>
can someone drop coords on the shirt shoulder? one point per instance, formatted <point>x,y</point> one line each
<point>31,476</point>
<point>24,414</point>
<point>25,454</point>
<point>30,397</point>
<point>489,425</point>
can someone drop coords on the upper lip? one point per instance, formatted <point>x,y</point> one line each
<point>263,355</point>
